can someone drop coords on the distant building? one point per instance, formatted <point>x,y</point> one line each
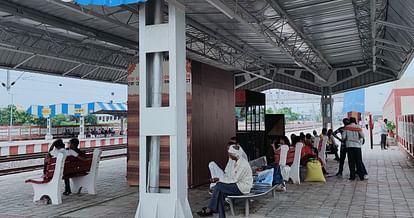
<point>400,101</point>
<point>107,119</point>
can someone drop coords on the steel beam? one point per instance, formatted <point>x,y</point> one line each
<point>395,26</point>
<point>307,59</point>
<point>72,69</point>
<point>22,41</point>
<point>25,12</point>
<point>391,49</point>
<point>26,60</point>
<point>246,82</point>
<point>373,33</point>
<point>388,58</point>
<point>389,42</point>
<point>298,31</point>
<point>90,72</point>
<point>91,13</point>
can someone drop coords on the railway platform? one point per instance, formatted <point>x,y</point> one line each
<point>389,192</point>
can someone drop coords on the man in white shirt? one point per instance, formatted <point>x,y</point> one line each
<point>217,172</point>
<point>384,133</point>
<point>354,137</point>
<point>239,183</point>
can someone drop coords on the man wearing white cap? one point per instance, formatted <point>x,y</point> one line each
<point>239,183</point>
<point>217,172</point>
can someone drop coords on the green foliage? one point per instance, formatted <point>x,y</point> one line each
<point>269,111</point>
<point>390,126</point>
<point>59,120</point>
<point>289,114</point>
<point>91,119</point>
<point>39,121</point>
<point>20,117</point>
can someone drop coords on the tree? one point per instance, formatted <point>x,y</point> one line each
<point>289,114</point>
<point>39,121</point>
<point>91,119</point>
<point>269,110</point>
<point>20,117</point>
<point>59,120</point>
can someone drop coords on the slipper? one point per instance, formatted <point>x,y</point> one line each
<point>203,212</point>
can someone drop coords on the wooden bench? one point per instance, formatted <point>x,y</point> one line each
<point>255,192</point>
<point>82,174</point>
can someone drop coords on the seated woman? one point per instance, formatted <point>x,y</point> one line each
<point>291,152</point>
<point>240,182</point>
<point>56,147</point>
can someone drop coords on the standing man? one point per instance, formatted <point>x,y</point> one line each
<point>342,153</point>
<point>353,137</point>
<point>384,133</point>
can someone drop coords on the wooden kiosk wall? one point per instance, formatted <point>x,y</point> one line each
<point>210,115</point>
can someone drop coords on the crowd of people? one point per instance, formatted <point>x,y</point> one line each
<point>100,132</point>
<point>350,136</point>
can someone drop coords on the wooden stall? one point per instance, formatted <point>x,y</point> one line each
<point>210,122</point>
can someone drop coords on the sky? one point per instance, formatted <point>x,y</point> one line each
<point>375,96</point>
<point>33,88</point>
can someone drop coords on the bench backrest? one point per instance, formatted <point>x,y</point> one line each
<point>298,152</point>
<point>284,149</point>
<point>75,166</point>
<point>259,162</point>
<point>72,165</point>
<point>55,167</point>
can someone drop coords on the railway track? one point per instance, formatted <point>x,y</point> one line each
<point>43,154</point>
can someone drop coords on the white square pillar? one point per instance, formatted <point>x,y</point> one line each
<point>164,121</point>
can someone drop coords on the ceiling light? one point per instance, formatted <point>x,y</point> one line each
<point>222,7</point>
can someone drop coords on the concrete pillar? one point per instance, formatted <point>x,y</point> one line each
<point>49,129</point>
<point>153,39</point>
<point>326,106</point>
<point>81,127</point>
<point>122,125</point>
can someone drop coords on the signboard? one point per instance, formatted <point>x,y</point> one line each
<point>79,110</point>
<point>46,112</point>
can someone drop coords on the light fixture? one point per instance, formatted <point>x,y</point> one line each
<point>222,7</point>
<point>66,0</point>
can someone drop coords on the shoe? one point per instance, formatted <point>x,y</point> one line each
<point>338,174</point>
<point>366,177</point>
<point>351,179</point>
<point>67,193</point>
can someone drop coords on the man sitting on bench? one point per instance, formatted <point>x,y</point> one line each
<point>72,150</point>
<point>240,182</point>
<point>217,172</point>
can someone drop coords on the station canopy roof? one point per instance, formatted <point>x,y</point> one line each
<point>298,45</point>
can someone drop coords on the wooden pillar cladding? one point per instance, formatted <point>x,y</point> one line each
<point>210,124</point>
<point>212,119</point>
<point>133,142</point>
